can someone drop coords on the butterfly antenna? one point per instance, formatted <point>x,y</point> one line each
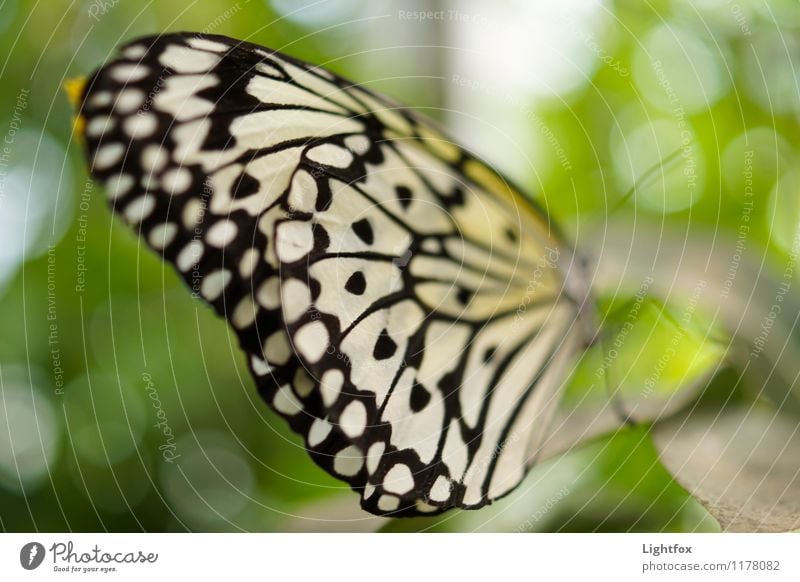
<point>661,165</point>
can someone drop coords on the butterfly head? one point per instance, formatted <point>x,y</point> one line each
<point>75,88</point>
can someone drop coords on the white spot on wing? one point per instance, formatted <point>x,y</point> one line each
<point>190,255</point>
<point>101,99</point>
<point>423,507</point>
<point>207,45</point>
<point>312,340</point>
<point>268,294</point>
<point>454,453</point>
<point>269,70</point>
<point>303,383</point>
<point>176,180</point>
<point>192,213</point>
<point>139,209</point>
<point>374,456</point>
<point>277,349</point>
<point>296,298</point>
<point>260,367</point>
<point>293,240</point>
<point>186,60</point>
<point>154,158</point>
<point>99,125</point>
<point>245,313</point>
<point>303,193</point>
<point>214,284</point>
<point>179,96</point>
<point>108,155</point>
<point>432,246</point>
<point>161,235</point>
<point>222,233</point>
<point>399,479</point>
<point>126,73</point>
<point>318,432</point>
<point>136,51</point>
<point>139,126</point>
<point>330,154</point>
<point>358,144</point>
<point>388,503</point>
<point>286,402</point>
<point>118,185</point>
<point>248,262</point>
<point>348,462</point>
<point>440,490</point>
<point>330,386</point>
<point>353,420</point>
<point>129,100</point>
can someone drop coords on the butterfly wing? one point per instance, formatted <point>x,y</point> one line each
<point>402,306</point>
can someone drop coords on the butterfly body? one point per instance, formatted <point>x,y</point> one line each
<point>402,306</point>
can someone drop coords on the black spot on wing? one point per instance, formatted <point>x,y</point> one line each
<point>322,239</point>
<point>385,346</point>
<point>419,397</point>
<point>245,186</point>
<point>404,196</point>
<point>363,230</point>
<point>356,283</point>
<point>464,295</point>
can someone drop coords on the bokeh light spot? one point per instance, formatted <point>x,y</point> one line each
<point>677,69</point>
<point>29,436</point>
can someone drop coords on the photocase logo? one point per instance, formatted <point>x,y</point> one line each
<point>31,555</point>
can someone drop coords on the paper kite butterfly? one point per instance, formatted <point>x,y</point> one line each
<point>402,306</point>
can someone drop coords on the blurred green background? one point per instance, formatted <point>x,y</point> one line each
<point>126,405</point>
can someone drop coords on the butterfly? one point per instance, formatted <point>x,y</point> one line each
<point>402,305</point>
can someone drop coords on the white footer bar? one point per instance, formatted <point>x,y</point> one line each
<point>400,557</point>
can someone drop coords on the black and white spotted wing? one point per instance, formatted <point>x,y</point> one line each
<point>403,307</point>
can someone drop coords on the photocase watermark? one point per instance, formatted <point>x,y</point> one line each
<point>158,86</point>
<point>99,8</point>
<point>15,122</point>
<point>84,206</point>
<point>523,107</point>
<point>332,350</point>
<point>452,15</point>
<point>536,281</point>
<point>53,336</point>
<point>622,335</point>
<point>543,510</point>
<point>740,17</point>
<point>591,43</point>
<point>768,322</point>
<point>14,125</point>
<point>672,349</point>
<point>686,137</point>
<point>197,235</point>
<point>168,448</point>
<point>744,225</point>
